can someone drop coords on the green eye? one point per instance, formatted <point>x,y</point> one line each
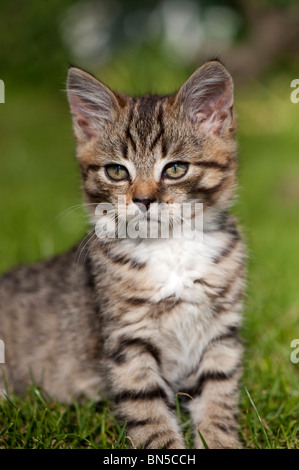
<point>175,170</point>
<point>117,172</point>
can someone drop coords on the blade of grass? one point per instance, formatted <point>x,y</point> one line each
<point>259,418</point>
<point>202,440</point>
<point>178,408</point>
<point>251,430</point>
<point>122,431</point>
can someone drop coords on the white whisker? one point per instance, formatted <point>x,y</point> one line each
<point>83,245</point>
<point>71,209</point>
<point>89,248</point>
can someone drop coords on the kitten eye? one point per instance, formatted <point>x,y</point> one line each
<point>175,170</point>
<point>117,172</point>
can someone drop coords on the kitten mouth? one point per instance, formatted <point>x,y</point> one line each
<point>163,222</point>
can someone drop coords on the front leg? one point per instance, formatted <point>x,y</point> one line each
<point>143,398</point>
<point>214,403</point>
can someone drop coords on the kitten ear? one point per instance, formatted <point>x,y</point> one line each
<point>207,98</point>
<point>92,104</point>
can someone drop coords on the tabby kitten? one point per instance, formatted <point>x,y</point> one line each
<point>142,319</point>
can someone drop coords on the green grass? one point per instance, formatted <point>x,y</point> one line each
<point>268,208</point>
<point>39,181</point>
<point>37,422</point>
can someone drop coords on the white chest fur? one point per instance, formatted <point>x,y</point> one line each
<point>174,264</point>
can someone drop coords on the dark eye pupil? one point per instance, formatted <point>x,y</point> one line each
<point>175,170</point>
<point>117,172</point>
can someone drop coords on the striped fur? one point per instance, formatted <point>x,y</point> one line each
<point>143,319</point>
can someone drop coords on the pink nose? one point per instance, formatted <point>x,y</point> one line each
<point>146,201</point>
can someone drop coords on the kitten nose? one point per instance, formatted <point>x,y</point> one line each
<point>146,201</point>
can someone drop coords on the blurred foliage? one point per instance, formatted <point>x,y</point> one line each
<point>31,48</point>
<point>39,39</point>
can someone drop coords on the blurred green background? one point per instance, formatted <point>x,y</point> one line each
<point>153,46</point>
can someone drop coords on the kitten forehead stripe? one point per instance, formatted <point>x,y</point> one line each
<point>161,126</point>
<point>128,132</point>
<point>147,106</point>
<point>124,149</point>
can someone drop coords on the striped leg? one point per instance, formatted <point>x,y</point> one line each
<point>214,405</point>
<point>142,397</point>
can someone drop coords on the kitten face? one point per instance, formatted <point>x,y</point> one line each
<point>156,150</point>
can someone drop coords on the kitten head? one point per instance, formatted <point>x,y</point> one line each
<point>157,149</point>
